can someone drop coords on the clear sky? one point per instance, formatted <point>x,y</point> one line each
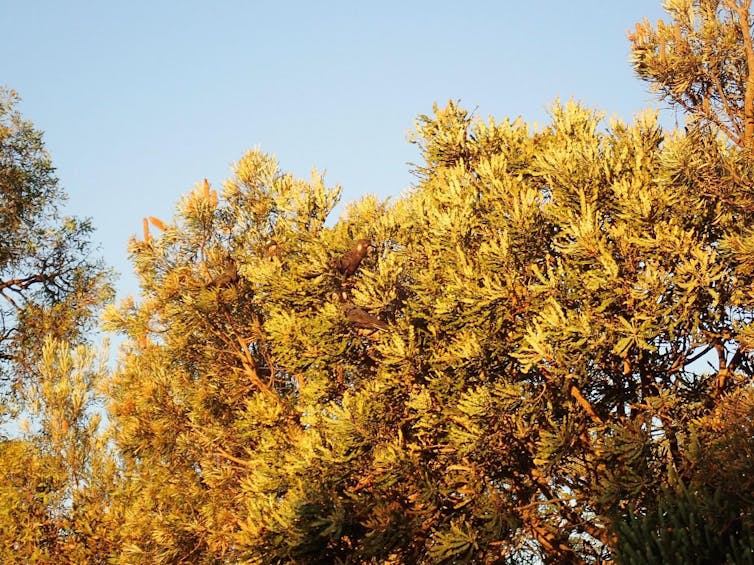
<point>139,100</point>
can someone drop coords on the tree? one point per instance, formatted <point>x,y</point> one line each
<point>508,364</point>
<point>56,471</point>
<point>707,518</point>
<point>703,61</point>
<point>59,475</point>
<point>199,359</point>
<point>49,281</point>
<point>544,299</point>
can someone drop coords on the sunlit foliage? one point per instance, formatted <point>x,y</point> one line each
<point>549,297</point>
<point>539,353</point>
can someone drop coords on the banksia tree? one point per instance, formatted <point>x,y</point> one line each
<point>703,61</point>
<point>541,303</point>
<point>707,516</point>
<point>541,353</point>
<point>202,377</point>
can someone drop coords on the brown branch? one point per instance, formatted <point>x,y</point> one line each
<point>233,458</point>
<point>243,353</point>
<point>726,106</point>
<point>24,283</point>
<point>543,536</point>
<point>541,532</point>
<point>576,393</point>
<point>565,512</point>
<point>722,361</point>
<point>9,299</point>
<point>742,11</point>
<point>735,360</point>
<point>220,450</point>
<point>684,359</point>
<point>721,379</point>
<point>251,367</point>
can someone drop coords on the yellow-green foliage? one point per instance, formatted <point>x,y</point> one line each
<point>56,471</point>
<point>545,292</point>
<point>700,61</point>
<point>59,477</point>
<point>540,353</point>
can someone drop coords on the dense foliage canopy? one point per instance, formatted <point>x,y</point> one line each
<point>545,300</point>
<point>541,353</point>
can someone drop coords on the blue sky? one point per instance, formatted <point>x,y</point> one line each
<point>140,100</point>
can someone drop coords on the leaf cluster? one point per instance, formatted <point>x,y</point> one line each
<point>549,297</point>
